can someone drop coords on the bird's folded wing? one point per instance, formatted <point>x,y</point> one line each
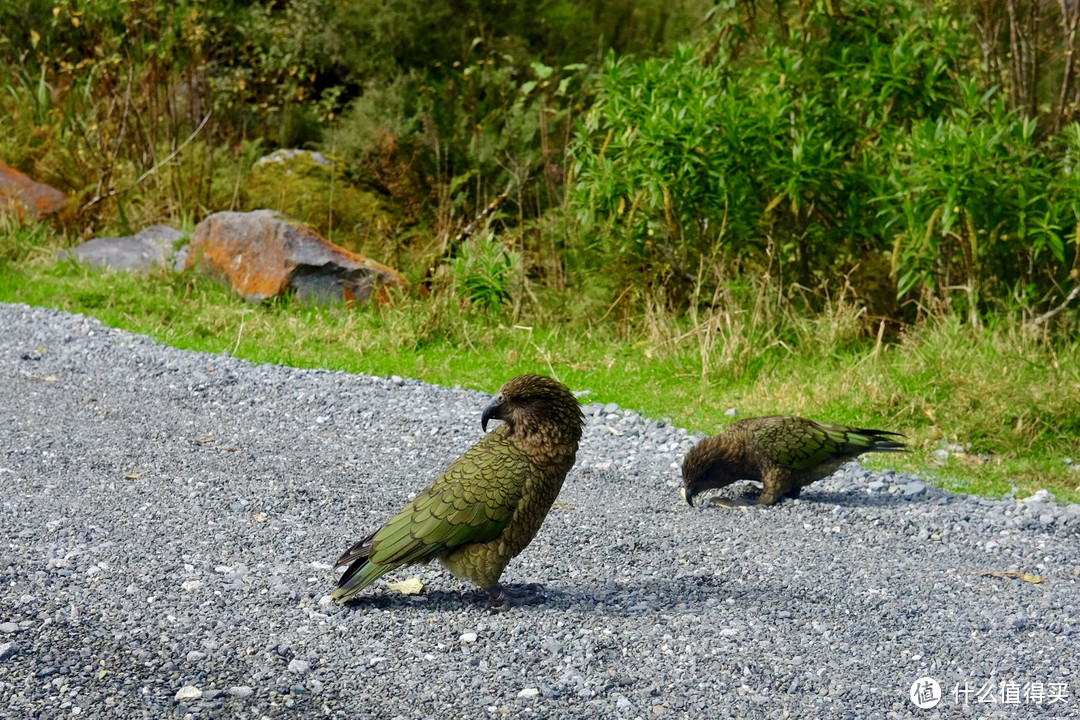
<point>800,444</point>
<point>472,502</point>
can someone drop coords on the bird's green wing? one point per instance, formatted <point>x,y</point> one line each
<point>471,502</point>
<point>799,444</point>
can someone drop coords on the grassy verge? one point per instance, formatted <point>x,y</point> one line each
<point>1007,395</point>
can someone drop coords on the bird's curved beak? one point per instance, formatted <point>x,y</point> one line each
<point>687,495</point>
<point>492,412</point>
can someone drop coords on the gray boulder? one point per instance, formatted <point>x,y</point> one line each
<point>152,246</point>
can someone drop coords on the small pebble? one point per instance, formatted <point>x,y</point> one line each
<point>913,489</point>
<point>188,693</point>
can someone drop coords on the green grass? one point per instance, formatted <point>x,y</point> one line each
<point>1010,393</point>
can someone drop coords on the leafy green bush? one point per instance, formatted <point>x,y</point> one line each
<point>803,146</point>
<point>977,205</point>
<point>714,147</point>
<point>486,273</point>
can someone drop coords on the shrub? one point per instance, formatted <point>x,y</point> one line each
<point>803,146</point>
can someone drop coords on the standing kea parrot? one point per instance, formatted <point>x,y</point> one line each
<point>783,453</point>
<point>489,504</point>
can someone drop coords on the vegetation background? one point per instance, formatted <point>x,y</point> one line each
<point>857,210</point>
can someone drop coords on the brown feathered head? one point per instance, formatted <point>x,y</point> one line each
<point>709,465</point>
<point>532,404</point>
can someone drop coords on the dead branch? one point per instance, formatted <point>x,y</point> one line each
<point>1053,312</point>
<point>98,198</point>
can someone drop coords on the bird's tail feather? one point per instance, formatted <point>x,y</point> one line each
<point>879,442</point>
<point>360,573</point>
<point>356,578</point>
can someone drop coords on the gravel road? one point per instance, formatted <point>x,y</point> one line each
<point>169,518</point>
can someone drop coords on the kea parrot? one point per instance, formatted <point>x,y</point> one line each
<point>783,453</point>
<point>489,504</point>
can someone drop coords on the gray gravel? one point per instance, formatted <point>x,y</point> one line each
<point>169,519</point>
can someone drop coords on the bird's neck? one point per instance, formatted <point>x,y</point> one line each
<point>546,444</point>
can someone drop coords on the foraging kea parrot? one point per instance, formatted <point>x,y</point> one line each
<point>490,502</point>
<point>783,453</point>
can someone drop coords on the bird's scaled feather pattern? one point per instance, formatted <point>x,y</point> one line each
<point>490,502</point>
<point>783,453</point>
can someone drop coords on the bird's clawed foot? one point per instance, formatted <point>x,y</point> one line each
<point>503,598</point>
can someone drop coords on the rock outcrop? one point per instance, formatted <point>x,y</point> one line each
<point>26,197</point>
<point>264,253</point>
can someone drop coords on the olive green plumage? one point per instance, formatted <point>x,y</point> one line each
<point>784,454</point>
<point>490,502</point>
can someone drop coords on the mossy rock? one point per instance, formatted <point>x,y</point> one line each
<point>312,188</point>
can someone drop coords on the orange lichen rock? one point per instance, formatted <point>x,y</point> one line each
<point>264,253</point>
<point>26,197</point>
